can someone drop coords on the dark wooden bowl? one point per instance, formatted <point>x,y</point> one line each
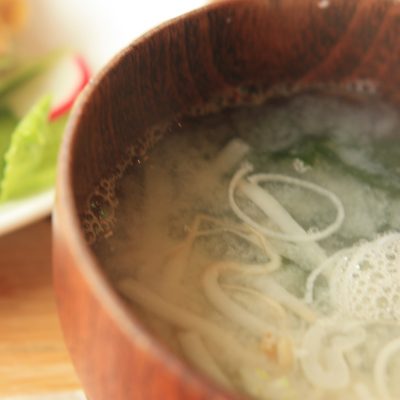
<point>174,67</point>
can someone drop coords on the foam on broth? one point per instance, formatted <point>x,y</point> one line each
<point>262,244</point>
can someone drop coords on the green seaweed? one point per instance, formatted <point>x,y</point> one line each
<point>317,149</point>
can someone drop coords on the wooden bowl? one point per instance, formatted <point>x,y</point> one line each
<point>175,67</point>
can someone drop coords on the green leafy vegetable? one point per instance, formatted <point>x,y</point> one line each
<point>307,149</point>
<point>8,122</point>
<point>320,148</point>
<point>32,155</point>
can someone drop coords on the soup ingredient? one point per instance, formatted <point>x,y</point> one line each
<point>313,150</point>
<point>223,302</point>
<point>324,364</point>
<point>195,350</point>
<point>279,349</point>
<point>276,213</point>
<point>185,320</point>
<point>381,366</point>
<point>264,238</point>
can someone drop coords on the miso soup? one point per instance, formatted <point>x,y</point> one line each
<point>261,243</point>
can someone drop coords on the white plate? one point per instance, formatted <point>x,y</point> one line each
<point>96,29</point>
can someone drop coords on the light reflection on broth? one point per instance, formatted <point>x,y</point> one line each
<point>261,243</point>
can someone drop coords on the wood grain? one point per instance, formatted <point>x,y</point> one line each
<point>228,45</point>
<point>33,357</point>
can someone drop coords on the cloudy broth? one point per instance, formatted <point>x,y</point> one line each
<point>261,243</point>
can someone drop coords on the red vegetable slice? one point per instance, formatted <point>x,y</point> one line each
<point>66,105</point>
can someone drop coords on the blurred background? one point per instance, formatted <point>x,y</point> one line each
<point>97,28</point>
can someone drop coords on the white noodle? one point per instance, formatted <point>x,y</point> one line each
<point>334,374</point>
<point>291,230</point>
<point>380,369</point>
<point>189,321</point>
<point>229,156</point>
<point>225,305</point>
<point>274,290</point>
<point>328,264</point>
<point>177,262</point>
<point>275,307</point>
<point>245,232</point>
<point>362,392</point>
<point>315,236</point>
<point>197,354</point>
<point>305,255</point>
<point>278,214</point>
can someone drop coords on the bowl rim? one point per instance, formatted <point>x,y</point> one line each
<point>85,261</point>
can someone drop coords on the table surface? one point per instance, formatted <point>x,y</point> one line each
<point>33,357</point>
